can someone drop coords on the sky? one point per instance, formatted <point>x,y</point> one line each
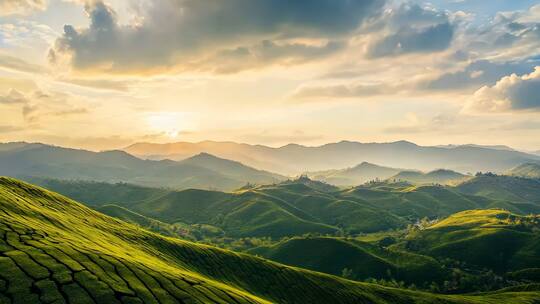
<point>102,75</point>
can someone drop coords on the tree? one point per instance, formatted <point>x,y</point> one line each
<point>347,273</point>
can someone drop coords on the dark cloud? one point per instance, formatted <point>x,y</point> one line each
<point>268,52</point>
<point>479,73</point>
<point>174,32</point>
<point>414,40</point>
<point>411,29</point>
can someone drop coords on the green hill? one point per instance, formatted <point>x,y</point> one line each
<point>356,175</point>
<point>290,208</point>
<point>440,176</point>
<point>55,250</point>
<point>333,255</point>
<point>528,170</point>
<point>494,239</point>
<point>500,187</point>
<point>202,172</point>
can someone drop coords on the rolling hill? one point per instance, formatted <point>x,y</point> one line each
<point>494,239</point>
<point>202,171</point>
<point>56,250</point>
<point>440,176</point>
<point>529,170</point>
<point>356,175</point>
<point>333,255</point>
<point>524,192</point>
<point>290,208</point>
<point>295,159</point>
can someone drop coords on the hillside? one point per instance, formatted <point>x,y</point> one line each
<point>356,175</point>
<point>440,176</point>
<point>500,187</point>
<point>232,169</point>
<point>494,239</point>
<point>333,255</point>
<point>295,159</point>
<point>56,250</point>
<point>203,172</point>
<point>529,170</point>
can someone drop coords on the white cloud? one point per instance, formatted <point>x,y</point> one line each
<point>511,93</point>
<point>21,7</point>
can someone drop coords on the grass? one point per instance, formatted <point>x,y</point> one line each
<point>332,255</point>
<point>494,239</point>
<point>53,249</point>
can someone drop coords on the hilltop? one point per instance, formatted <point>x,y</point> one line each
<point>528,170</point>
<point>356,175</point>
<point>494,239</point>
<point>440,176</point>
<point>203,171</point>
<point>54,249</point>
<point>524,192</point>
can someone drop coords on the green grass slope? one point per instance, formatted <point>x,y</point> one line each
<point>441,176</point>
<point>528,170</point>
<point>500,187</point>
<point>493,239</point>
<point>356,175</point>
<point>333,255</point>
<point>54,250</point>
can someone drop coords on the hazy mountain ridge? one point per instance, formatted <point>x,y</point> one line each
<point>295,159</point>
<point>203,171</point>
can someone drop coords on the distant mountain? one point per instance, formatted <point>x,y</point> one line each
<point>232,169</point>
<point>494,147</point>
<point>529,170</point>
<point>294,159</point>
<point>203,171</point>
<point>356,175</point>
<point>440,176</point>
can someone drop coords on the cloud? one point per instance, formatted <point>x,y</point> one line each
<point>411,28</point>
<point>17,64</point>
<point>10,129</point>
<point>13,97</point>
<point>414,40</point>
<point>266,53</point>
<point>38,104</point>
<point>172,33</point>
<point>343,91</point>
<point>511,93</point>
<point>478,73</point>
<point>21,7</point>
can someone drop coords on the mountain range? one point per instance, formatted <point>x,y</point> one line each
<point>294,159</point>
<point>202,171</point>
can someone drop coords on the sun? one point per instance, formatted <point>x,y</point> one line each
<point>172,124</point>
